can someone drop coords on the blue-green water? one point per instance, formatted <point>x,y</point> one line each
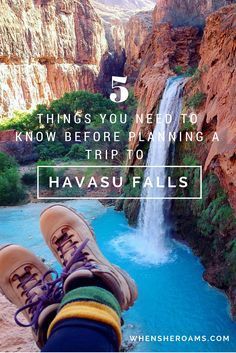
<point>173,298</point>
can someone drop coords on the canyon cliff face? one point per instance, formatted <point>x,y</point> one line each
<point>217,83</point>
<point>186,12</point>
<point>132,5</point>
<point>47,48</point>
<point>213,219</point>
<point>113,61</point>
<point>174,41</point>
<point>164,49</point>
<point>50,47</point>
<point>112,10</point>
<point>137,30</point>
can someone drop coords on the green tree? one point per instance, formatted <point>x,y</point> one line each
<point>77,103</point>
<point>11,190</point>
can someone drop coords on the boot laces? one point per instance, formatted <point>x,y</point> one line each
<point>79,258</point>
<point>65,244</point>
<point>41,293</point>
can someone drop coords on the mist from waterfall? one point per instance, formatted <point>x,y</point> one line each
<point>152,226</point>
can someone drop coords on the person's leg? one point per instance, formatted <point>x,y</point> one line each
<point>80,335</point>
<point>85,319</point>
<point>89,318</point>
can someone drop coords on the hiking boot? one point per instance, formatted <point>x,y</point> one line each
<point>72,241</point>
<point>28,284</point>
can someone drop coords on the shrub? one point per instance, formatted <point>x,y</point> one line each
<point>231,254</point>
<point>187,126</point>
<point>230,258</point>
<point>11,190</point>
<point>50,150</point>
<point>77,151</point>
<point>192,174</point>
<point>66,159</point>
<point>129,106</point>
<point>29,178</point>
<point>6,162</point>
<point>178,70</point>
<point>45,173</point>
<point>214,212</point>
<point>191,71</point>
<point>196,100</point>
<point>190,160</point>
<point>70,192</point>
<point>23,152</point>
<point>197,75</point>
<point>131,191</point>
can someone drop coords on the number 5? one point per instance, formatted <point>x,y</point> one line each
<point>124,93</point>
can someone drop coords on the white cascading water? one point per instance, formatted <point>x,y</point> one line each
<point>148,244</point>
<point>151,223</point>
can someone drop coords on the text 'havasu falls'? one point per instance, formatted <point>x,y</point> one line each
<point>117,182</point>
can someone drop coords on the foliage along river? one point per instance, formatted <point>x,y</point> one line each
<point>173,298</point>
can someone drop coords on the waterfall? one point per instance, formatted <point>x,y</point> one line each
<point>151,224</point>
<point>148,244</point>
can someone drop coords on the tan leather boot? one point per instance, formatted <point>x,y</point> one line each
<point>72,241</point>
<point>27,283</point>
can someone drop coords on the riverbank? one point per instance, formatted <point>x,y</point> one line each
<point>12,337</point>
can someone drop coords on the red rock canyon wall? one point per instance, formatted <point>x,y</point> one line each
<point>47,48</point>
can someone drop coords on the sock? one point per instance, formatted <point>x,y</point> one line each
<point>91,303</point>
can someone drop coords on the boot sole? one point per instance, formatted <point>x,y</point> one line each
<point>5,246</point>
<point>1,248</point>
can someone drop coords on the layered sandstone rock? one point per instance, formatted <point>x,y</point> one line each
<point>115,35</point>
<point>125,33</point>
<point>122,9</point>
<point>47,48</point>
<point>112,63</point>
<point>186,12</point>
<point>164,49</point>
<point>137,30</point>
<point>217,82</point>
<point>170,45</point>
<point>135,5</point>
